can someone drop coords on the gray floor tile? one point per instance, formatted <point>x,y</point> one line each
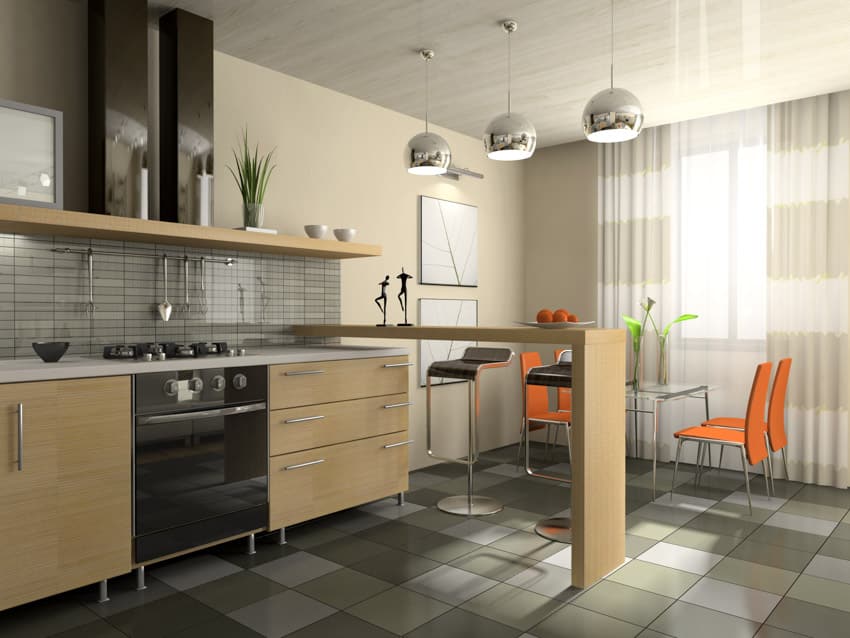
<point>730,509</point>
<point>685,620</point>
<point>163,617</point>
<point>441,548</point>
<point>481,480</point>
<point>423,478</point>
<point>281,614</point>
<point>627,603</point>
<point>836,547</point>
<point>425,496</point>
<point>346,551</point>
<point>296,568</point>
<point>823,495</point>
<point>343,588</point>
<point>395,566</point>
<point>767,631</point>
<point>516,518</point>
<point>821,591</point>
<point>399,610</point>
<point>185,573</point>
<point>789,538</point>
<point>655,578</point>
<point>547,580</point>
<point>799,523</point>
<point>431,519</point>
<point>389,508</point>
<point>44,618</point>
<point>732,599</point>
<point>221,627</point>
<point>706,541</point>
<point>267,549</point>
<point>829,567</point>
<point>719,523</point>
<point>754,575</point>
<point>96,629</point>
<point>478,531</point>
<point>663,514</point>
<point>344,625</point>
<point>459,623</point>
<point>353,521</point>
<point>512,606</point>
<point>493,563</point>
<point>528,545</point>
<point>450,584</point>
<point>683,558</point>
<point>814,510</point>
<point>646,528</point>
<point>123,595</point>
<point>235,591</point>
<point>842,530</point>
<point>311,534</point>
<point>757,551</point>
<point>651,633</point>
<point>636,545</point>
<point>576,622</point>
<point>809,619</point>
<point>396,534</point>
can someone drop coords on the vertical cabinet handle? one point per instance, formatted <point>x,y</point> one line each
<point>398,365</point>
<point>20,437</point>
<point>392,445</point>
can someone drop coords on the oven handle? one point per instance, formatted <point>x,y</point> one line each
<point>205,414</point>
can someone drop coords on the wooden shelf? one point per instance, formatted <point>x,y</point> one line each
<point>31,220</point>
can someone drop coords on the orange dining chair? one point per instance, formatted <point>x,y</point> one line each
<point>537,411</point>
<point>565,396</point>
<point>750,441</point>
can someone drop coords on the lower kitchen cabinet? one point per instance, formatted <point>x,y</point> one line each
<point>65,486</point>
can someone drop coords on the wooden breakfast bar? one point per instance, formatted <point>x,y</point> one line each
<point>598,443</point>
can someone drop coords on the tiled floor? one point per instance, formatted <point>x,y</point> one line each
<point>698,565</point>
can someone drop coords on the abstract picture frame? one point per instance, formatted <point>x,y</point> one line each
<point>448,244</point>
<point>31,167</point>
<point>444,312</point>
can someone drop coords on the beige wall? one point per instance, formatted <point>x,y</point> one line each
<point>341,163</point>
<point>44,62</point>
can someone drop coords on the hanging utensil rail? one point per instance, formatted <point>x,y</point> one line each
<point>227,261</point>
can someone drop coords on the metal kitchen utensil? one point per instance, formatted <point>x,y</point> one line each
<point>90,307</point>
<point>203,285</point>
<point>187,306</point>
<point>165,307</point>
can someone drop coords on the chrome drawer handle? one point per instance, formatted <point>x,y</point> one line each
<point>397,405</point>
<point>301,373</point>
<point>20,437</point>
<point>398,365</point>
<point>298,465</point>
<point>387,447</point>
<point>305,418</point>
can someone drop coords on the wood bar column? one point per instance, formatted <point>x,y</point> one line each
<point>598,460</point>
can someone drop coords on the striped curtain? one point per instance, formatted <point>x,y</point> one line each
<point>809,184</point>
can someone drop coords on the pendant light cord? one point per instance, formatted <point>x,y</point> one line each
<point>427,90</point>
<point>612,45</point>
<point>509,73</point>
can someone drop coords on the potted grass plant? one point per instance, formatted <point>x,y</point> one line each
<point>252,175</point>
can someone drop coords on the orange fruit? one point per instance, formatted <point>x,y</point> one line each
<point>572,318</point>
<point>560,316</point>
<point>544,316</point>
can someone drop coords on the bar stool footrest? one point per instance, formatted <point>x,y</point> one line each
<point>460,505</point>
<point>557,529</point>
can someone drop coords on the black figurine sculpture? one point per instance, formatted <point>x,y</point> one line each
<point>383,297</point>
<point>402,295</point>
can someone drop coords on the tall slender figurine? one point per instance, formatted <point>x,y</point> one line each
<point>402,295</point>
<point>383,297</point>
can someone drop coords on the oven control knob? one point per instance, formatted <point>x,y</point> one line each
<point>217,383</point>
<point>171,387</point>
<point>240,381</point>
<point>196,384</point>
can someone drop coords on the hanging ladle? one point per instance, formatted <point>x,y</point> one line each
<point>90,307</point>
<point>165,307</point>
<point>187,306</point>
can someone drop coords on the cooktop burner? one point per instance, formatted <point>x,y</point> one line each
<point>170,349</point>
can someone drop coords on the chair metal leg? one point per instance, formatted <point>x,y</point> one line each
<point>769,464</point>
<point>522,442</point>
<point>720,463</point>
<point>768,479</point>
<point>746,479</point>
<point>569,444</point>
<point>785,463</point>
<point>546,447</point>
<point>676,467</point>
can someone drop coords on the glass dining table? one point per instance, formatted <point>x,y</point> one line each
<point>648,400</point>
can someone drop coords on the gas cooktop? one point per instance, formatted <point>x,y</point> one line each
<point>170,349</point>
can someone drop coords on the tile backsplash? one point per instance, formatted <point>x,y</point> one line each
<point>251,303</point>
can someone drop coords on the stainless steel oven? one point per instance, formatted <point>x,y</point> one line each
<point>200,457</point>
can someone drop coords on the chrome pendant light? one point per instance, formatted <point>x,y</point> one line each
<point>428,153</point>
<point>612,115</point>
<point>510,136</point>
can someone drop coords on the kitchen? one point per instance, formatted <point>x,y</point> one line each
<point>340,162</point>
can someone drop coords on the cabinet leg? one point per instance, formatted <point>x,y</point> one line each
<point>140,578</point>
<point>251,545</point>
<point>400,499</point>
<point>103,591</point>
<point>281,538</point>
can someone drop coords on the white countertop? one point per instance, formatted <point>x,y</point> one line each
<point>80,366</point>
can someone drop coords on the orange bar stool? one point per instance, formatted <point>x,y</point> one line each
<point>468,368</point>
<point>559,375</point>
<point>750,441</point>
<point>536,414</point>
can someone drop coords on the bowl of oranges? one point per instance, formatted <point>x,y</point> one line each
<point>560,318</point>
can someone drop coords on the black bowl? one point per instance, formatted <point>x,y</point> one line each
<point>50,351</point>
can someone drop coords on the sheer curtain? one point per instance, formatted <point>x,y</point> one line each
<point>682,214</point>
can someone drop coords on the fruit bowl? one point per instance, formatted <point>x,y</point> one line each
<point>552,325</point>
<point>315,231</point>
<point>50,351</point>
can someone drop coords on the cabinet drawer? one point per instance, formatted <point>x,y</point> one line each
<point>295,384</point>
<point>336,477</point>
<point>312,426</point>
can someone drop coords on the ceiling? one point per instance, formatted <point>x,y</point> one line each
<point>682,58</point>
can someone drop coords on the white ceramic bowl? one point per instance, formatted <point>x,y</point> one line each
<point>345,234</point>
<point>316,231</point>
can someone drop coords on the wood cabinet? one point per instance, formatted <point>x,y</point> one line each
<point>65,502</point>
<point>338,436</point>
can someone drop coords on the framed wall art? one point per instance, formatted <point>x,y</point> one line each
<point>448,251</point>
<point>444,312</point>
<point>30,155</point>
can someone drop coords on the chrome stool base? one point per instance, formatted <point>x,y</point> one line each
<point>557,529</point>
<point>464,505</point>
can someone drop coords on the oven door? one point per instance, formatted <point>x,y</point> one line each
<point>199,477</point>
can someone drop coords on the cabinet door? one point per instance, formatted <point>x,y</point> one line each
<point>65,512</point>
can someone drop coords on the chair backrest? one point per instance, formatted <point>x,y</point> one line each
<point>537,398</point>
<point>754,425</point>
<point>565,395</point>
<point>776,409</point>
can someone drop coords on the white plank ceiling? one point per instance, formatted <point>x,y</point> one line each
<point>682,58</point>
